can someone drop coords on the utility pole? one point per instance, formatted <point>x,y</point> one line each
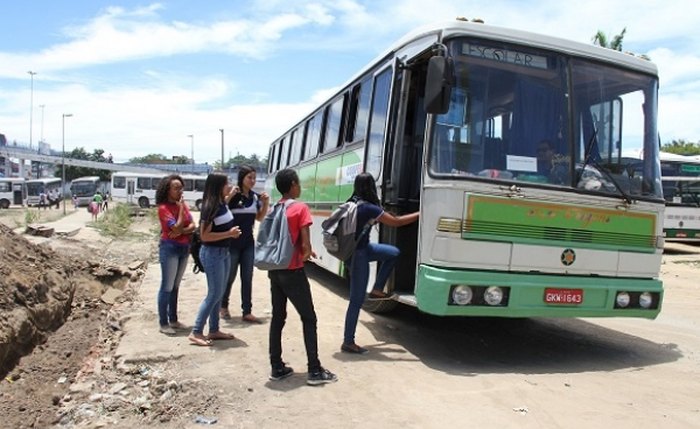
<point>222,149</point>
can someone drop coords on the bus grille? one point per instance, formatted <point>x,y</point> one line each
<point>508,232</point>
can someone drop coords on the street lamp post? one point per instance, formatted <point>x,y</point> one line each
<point>41,138</point>
<point>31,106</point>
<point>222,149</point>
<point>63,157</point>
<point>191,136</point>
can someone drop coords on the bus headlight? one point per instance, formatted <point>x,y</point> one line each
<point>462,295</point>
<point>645,300</point>
<point>493,295</point>
<point>622,299</point>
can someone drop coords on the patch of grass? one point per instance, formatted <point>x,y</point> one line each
<point>30,216</point>
<point>115,222</point>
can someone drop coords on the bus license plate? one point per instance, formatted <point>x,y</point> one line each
<point>563,296</point>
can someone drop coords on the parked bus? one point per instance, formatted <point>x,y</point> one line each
<point>85,188</point>
<point>140,188</point>
<point>13,192</point>
<point>510,145</point>
<point>681,185</point>
<point>36,186</point>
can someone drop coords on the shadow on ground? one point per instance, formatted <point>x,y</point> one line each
<point>480,345</point>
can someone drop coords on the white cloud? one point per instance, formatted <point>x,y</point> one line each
<point>157,115</point>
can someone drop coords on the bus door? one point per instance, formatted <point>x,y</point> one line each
<point>130,189</point>
<point>18,194</point>
<point>401,181</point>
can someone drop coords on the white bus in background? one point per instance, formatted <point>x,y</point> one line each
<point>680,176</point>
<point>84,188</point>
<point>140,189</point>
<point>13,192</point>
<point>36,186</point>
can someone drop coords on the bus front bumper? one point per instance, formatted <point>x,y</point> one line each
<point>458,292</point>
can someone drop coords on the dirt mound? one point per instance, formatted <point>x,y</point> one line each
<point>53,312</point>
<point>36,292</point>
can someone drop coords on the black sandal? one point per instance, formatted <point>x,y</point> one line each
<point>353,348</point>
<point>379,294</point>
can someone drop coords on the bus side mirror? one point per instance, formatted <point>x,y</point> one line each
<point>438,85</point>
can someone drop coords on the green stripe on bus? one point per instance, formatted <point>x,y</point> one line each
<point>535,222</point>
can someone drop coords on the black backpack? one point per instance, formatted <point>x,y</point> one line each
<point>196,244</point>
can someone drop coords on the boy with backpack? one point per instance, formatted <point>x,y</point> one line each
<point>293,285</point>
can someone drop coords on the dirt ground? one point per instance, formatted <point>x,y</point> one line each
<point>100,361</point>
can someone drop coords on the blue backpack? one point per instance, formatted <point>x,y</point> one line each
<point>274,247</point>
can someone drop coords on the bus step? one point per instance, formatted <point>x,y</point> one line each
<point>408,299</point>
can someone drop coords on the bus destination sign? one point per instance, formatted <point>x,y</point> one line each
<point>505,56</point>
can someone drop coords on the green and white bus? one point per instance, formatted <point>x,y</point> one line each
<point>681,183</point>
<point>510,145</point>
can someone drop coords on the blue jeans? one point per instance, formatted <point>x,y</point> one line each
<point>244,258</point>
<point>359,274</point>
<point>216,262</point>
<point>173,261</point>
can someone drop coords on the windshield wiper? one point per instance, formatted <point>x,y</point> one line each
<point>589,160</point>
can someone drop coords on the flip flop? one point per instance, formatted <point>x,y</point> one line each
<point>202,342</point>
<point>220,336</point>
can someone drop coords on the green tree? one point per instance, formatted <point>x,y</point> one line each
<point>681,147</point>
<point>238,160</point>
<point>73,172</point>
<point>601,39</point>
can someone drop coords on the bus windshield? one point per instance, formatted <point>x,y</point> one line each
<point>681,182</point>
<point>531,116</point>
<point>83,189</point>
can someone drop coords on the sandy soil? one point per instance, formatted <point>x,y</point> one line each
<point>107,366</point>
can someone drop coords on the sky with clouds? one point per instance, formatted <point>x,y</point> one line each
<point>141,77</point>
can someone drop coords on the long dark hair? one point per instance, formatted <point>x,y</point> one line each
<point>211,198</point>
<point>164,188</point>
<point>242,172</point>
<point>365,188</point>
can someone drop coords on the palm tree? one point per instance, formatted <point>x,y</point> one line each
<point>601,39</point>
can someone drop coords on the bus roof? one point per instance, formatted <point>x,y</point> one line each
<point>44,180</point>
<point>448,29</point>
<point>87,179</point>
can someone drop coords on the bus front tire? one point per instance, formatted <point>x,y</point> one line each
<point>4,204</point>
<point>144,203</point>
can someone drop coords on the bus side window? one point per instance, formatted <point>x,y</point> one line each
<point>358,111</point>
<point>334,124</point>
<point>295,149</point>
<point>273,158</point>
<point>313,135</point>
<point>284,152</point>
<point>188,186</point>
<point>199,185</point>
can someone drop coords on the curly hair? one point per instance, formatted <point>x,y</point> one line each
<point>164,187</point>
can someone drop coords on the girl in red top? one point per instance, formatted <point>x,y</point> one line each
<point>176,226</point>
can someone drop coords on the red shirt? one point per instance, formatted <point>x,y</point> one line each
<point>298,217</point>
<point>167,214</point>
